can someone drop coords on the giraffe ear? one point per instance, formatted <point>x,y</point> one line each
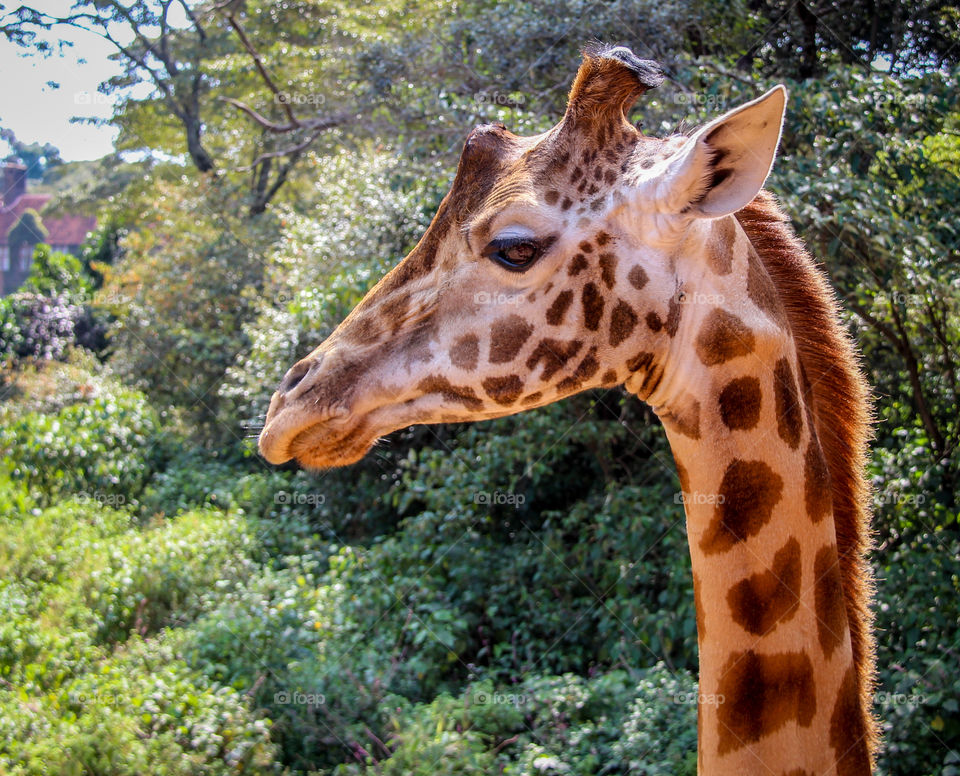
<point>609,81</point>
<point>722,167</point>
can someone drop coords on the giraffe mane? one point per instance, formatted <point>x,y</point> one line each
<point>838,398</point>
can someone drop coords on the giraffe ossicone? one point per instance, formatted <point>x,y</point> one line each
<point>593,255</point>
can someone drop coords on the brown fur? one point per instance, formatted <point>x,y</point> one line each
<point>841,416</point>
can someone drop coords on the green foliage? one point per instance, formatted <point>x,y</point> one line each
<point>28,229</point>
<point>56,274</point>
<point>99,450</point>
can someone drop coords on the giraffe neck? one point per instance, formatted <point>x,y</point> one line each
<point>777,681</point>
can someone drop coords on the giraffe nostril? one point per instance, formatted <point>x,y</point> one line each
<point>296,374</point>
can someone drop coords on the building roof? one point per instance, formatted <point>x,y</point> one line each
<point>66,230</point>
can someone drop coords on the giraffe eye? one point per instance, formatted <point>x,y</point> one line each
<point>515,253</point>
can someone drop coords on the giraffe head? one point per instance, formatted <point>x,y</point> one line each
<point>549,268</point>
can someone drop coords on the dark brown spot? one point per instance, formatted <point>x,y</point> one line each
<point>762,601</point>
<point>594,188</point>
<point>610,176</point>
<point>761,290</point>
<point>748,493</point>
<point>684,418</point>
<point>577,265</point>
<point>395,311</point>
<point>365,330</point>
<point>458,393</point>
<point>698,603</point>
<point>653,321</point>
<point>592,302</point>
<point>503,390</point>
<point>609,378</point>
<point>507,336</point>
<point>787,403</point>
<point>637,277</point>
<point>598,173</point>
<point>739,402</point>
<point>674,310</point>
<point>816,485</point>
<point>551,197</point>
<point>558,309</point>
<point>584,371</point>
<point>643,360</point>
<point>465,352</point>
<point>585,246</point>
<point>602,238</point>
<point>623,320</point>
<point>720,246</point>
<point>608,269</point>
<point>848,731</point>
<point>554,354</point>
<point>762,693</point>
<point>566,204</point>
<point>533,398</point>
<point>722,337</point>
<point>828,597</point>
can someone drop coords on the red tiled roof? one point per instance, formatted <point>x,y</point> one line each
<point>67,230</point>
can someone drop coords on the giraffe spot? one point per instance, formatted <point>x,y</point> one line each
<point>720,246</point>
<point>584,371</point>
<point>582,185</point>
<point>558,308</point>
<point>799,772</point>
<point>637,277</point>
<point>653,321</point>
<point>816,482</point>
<point>609,177</point>
<point>585,246</point>
<point>594,188</point>
<point>623,320</point>
<point>674,310</point>
<point>507,336</point>
<point>651,380</point>
<point>503,390</point>
<point>454,393</point>
<point>465,352</point>
<point>684,419</point>
<point>787,403</point>
<point>609,378</point>
<point>365,330</point>
<point>739,402</point>
<point>829,601</point>
<point>848,729</point>
<point>722,337</point>
<point>567,202</point>
<point>761,290</point>
<point>597,204</point>
<point>554,354</point>
<point>643,360</point>
<point>602,238</point>
<point>598,174</point>
<point>748,493</point>
<point>762,601</point>
<point>762,693</point>
<point>551,197</point>
<point>608,269</point>
<point>533,398</point>
<point>592,302</point>
<point>698,604</point>
<point>394,311</point>
<point>577,265</point>
<point>576,175</point>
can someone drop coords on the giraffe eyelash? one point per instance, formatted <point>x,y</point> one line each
<point>517,254</point>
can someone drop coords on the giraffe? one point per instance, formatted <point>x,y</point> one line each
<point>593,255</point>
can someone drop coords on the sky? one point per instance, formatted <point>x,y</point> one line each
<point>36,112</point>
